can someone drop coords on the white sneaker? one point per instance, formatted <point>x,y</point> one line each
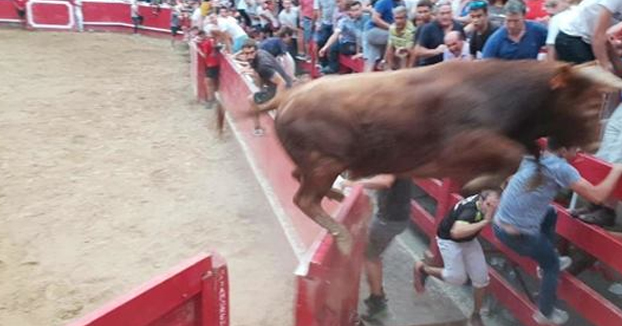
<point>564,263</point>
<point>558,317</point>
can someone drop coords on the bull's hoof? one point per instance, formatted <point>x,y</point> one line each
<point>344,242</point>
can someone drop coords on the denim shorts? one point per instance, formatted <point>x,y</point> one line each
<point>307,28</point>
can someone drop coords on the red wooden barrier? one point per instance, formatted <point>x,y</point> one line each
<point>328,285</point>
<point>108,15</point>
<point>194,294</point>
<point>8,14</point>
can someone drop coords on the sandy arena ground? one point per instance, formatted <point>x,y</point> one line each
<point>110,174</point>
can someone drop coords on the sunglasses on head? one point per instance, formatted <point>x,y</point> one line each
<point>475,5</point>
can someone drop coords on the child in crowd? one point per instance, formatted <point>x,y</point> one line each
<point>208,50</point>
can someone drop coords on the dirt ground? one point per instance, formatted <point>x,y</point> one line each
<point>111,174</point>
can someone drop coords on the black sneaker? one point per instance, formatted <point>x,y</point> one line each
<point>375,306</point>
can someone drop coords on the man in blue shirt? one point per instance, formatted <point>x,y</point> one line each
<point>324,10</point>
<point>278,45</point>
<point>525,221</point>
<point>346,38</point>
<point>518,39</point>
<point>377,33</point>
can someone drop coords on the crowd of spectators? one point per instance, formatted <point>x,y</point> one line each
<point>400,34</point>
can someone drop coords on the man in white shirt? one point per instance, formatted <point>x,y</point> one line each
<point>196,18</point>
<point>456,48</point>
<point>77,9</point>
<point>583,38</point>
<point>290,17</point>
<point>561,11</point>
<point>236,34</point>
<point>269,23</point>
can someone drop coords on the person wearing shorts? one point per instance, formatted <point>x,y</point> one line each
<point>208,50</point>
<point>137,19</point>
<point>462,254</point>
<point>391,217</point>
<point>175,23</point>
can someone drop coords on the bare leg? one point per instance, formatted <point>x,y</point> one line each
<point>478,299</point>
<point>373,269</point>
<point>433,271</point>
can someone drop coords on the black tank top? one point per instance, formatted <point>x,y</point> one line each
<point>394,202</point>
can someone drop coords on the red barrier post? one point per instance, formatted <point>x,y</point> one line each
<point>194,294</point>
<point>328,284</point>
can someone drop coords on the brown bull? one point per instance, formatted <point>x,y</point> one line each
<point>459,120</point>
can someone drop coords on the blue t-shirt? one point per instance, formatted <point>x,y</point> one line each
<point>274,46</point>
<point>385,9</point>
<point>351,30</point>
<point>500,46</point>
<point>525,209</point>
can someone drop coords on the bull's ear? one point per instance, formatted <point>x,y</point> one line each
<point>598,75</point>
<point>561,78</point>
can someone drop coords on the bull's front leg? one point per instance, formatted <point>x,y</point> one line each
<point>314,186</point>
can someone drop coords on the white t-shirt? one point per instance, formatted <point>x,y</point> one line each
<point>584,22</point>
<point>265,12</point>
<point>410,4</point>
<point>464,55</point>
<point>241,5</point>
<point>231,27</point>
<point>289,19</point>
<point>557,20</point>
<point>134,9</point>
<point>196,17</point>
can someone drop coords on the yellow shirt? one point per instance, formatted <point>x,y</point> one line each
<point>403,39</point>
<point>205,7</point>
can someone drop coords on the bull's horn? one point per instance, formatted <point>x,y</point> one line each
<point>596,73</point>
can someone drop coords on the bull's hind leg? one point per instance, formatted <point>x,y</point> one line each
<point>314,186</point>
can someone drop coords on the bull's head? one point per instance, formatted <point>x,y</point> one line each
<point>577,102</point>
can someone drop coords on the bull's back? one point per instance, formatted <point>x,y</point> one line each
<point>406,116</point>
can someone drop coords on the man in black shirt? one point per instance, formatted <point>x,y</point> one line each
<point>391,216</point>
<point>269,74</point>
<point>482,27</point>
<point>462,254</point>
<point>272,76</point>
<point>430,41</point>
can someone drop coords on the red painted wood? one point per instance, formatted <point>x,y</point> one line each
<point>595,170</point>
<point>51,13</point>
<point>352,65</point>
<point>7,10</point>
<point>177,298</point>
<point>515,301</point>
<point>115,12</point>
<point>328,293</point>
